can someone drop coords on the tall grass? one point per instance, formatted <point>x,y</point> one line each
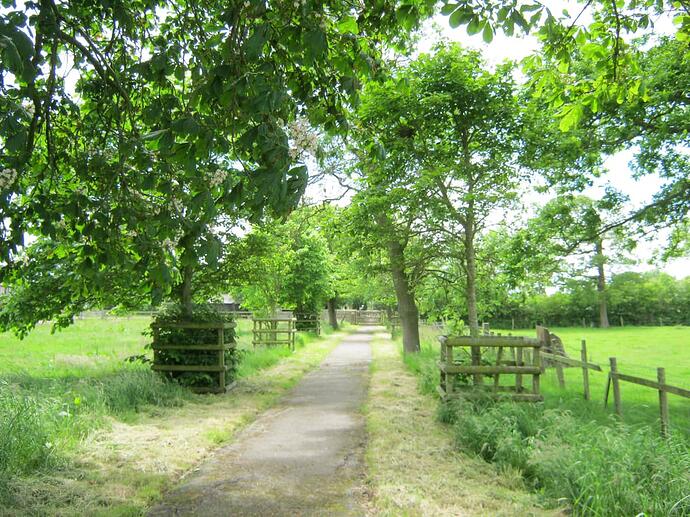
<point>49,405</point>
<point>572,452</point>
<point>598,470</point>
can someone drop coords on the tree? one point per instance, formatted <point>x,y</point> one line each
<point>280,265</point>
<point>458,128</point>
<point>182,121</point>
<point>571,226</point>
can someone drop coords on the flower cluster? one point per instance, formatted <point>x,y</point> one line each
<point>7,178</point>
<point>303,139</point>
<point>169,246</point>
<point>217,178</point>
<point>176,205</point>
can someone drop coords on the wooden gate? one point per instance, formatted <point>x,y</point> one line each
<point>497,357</point>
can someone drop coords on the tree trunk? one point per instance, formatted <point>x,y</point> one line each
<point>601,286</point>
<point>407,306</point>
<point>186,292</point>
<point>471,285</point>
<point>332,316</point>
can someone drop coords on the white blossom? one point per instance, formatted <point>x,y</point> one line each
<point>7,178</point>
<point>176,205</point>
<point>168,245</point>
<point>217,178</point>
<point>303,139</point>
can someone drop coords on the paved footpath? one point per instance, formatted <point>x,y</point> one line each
<point>303,457</point>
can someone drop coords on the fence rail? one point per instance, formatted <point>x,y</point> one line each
<point>615,377</point>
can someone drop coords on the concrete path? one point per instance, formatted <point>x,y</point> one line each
<point>302,458</point>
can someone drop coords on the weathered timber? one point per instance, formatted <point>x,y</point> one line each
<point>449,369</point>
<point>188,368</point>
<point>491,341</point>
<point>571,362</point>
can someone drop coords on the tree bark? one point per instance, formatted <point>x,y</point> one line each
<point>471,285</point>
<point>407,306</point>
<point>185,289</point>
<point>601,286</point>
<point>332,316</point>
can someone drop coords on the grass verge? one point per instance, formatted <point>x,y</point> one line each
<point>570,451</point>
<point>107,439</point>
<point>414,466</point>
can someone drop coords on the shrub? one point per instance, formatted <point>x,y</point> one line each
<point>192,336</point>
<point>600,470</point>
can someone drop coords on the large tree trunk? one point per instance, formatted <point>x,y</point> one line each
<point>332,316</point>
<point>601,286</point>
<point>407,306</point>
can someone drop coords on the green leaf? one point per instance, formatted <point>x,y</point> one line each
<point>456,19</point>
<point>17,142</point>
<point>154,135</point>
<point>348,24</point>
<point>315,43</point>
<point>448,9</point>
<point>488,33</point>
<point>570,117</point>
<point>474,26</point>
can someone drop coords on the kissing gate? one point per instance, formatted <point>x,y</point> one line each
<point>466,361</point>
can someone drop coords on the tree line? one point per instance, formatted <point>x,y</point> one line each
<point>181,124</point>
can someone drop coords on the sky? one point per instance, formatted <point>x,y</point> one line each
<point>618,174</point>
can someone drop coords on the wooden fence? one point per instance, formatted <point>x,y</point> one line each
<point>195,352</point>
<point>478,368</point>
<point>274,331</point>
<point>615,377</point>
<point>308,322</point>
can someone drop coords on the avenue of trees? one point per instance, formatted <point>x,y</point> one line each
<point>138,136</point>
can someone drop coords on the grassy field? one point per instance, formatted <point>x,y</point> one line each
<point>639,351</point>
<point>574,451</point>
<point>58,391</point>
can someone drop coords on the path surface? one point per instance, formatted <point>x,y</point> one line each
<point>302,458</point>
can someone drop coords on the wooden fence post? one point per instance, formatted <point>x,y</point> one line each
<point>616,385</point>
<point>663,401</point>
<point>561,377</point>
<point>518,377</point>
<point>221,357</point>
<point>585,370</point>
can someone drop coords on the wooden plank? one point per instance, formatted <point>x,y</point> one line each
<point>186,368</point>
<point>489,370</point>
<point>663,402</point>
<point>560,376</point>
<point>681,392</point>
<point>616,386</point>
<point>283,342</point>
<point>264,320</point>
<point>585,369</point>
<point>499,356</point>
<point>228,346</point>
<point>520,365</point>
<point>221,359</point>
<point>195,325</point>
<point>492,341</point>
<point>518,397</point>
<point>570,362</point>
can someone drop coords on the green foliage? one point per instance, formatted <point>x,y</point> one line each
<point>194,336</point>
<point>600,470</point>
<point>281,265</point>
<point>650,298</point>
<point>144,165</point>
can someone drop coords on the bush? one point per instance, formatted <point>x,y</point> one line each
<point>600,470</point>
<point>191,336</point>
